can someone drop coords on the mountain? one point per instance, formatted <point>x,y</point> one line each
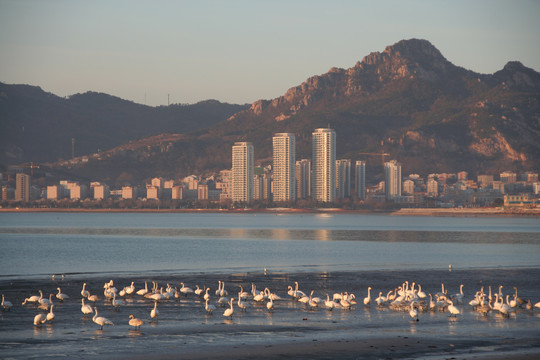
<point>427,113</point>
<point>39,126</point>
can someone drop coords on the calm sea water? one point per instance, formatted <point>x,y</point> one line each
<point>41,244</point>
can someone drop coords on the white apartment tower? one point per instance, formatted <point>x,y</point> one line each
<point>323,176</point>
<point>284,168</point>
<point>360,178</point>
<point>303,179</point>
<point>242,172</point>
<point>343,178</point>
<point>392,176</point>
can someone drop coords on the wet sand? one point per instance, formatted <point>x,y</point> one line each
<point>184,329</point>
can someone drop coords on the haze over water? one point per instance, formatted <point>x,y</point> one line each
<point>40,244</point>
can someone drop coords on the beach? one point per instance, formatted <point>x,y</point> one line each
<point>292,330</point>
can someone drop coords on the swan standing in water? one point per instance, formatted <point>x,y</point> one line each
<point>144,291</point>
<point>85,308</point>
<point>84,292</point>
<point>230,311</point>
<point>50,315</point>
<point>136,323</point>
<point>60,296</point>
<point>270,305</point>
<point>241,304</point>
<point>93,298</point>
<point>367,299</point>
<point>413,312</point>
<point>6,305</point>
<point>100,320</point>
<point>209,307</point>
<point>116,303</point>
<point>454,311</point>
<point>154,313</point>
<point>39,319</point>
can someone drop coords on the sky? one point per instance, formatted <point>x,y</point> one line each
<point>156,52</point>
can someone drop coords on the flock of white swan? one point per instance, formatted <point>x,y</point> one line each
<point>407,297</point>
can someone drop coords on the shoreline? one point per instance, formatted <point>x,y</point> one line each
<point>450,212</point>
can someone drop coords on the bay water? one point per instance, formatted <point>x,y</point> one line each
<point>94,244</point>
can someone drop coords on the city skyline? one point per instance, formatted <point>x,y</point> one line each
<point>240,52</point>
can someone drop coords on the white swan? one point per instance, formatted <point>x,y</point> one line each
<point>413,312</point>
<point>100,320</point>
<point>50,315</point>
<point>130,289</point>
<point>117,303</point>
<point>198,291</point>
<point>136,323</point>
<point>330,304</point>
<point>185,290</point>
<point>420,293</point>
<point>270,305</point>
<point>454,311</point>
<point>60,296</point>
<point>85,308</point>
<point>209,307</point>
<point>241,304</point>
<point>33,298</point>
<point>39,319</point>
<point>223,292</point>
<point>206,294</point>
<point>45,301</point>
<point>154,313</point>
<point>144,291</point>
<point>6,305</point>
<point>230,311</point>
<point>84,292</point>
<point>367,299</point>
<point>380,299</point>
<point>459,296</point>
<point>93,298</point>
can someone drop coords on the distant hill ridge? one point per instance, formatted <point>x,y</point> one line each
<point>429,114</point>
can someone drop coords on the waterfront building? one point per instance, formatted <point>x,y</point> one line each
<point>360,179</point>
<point>284,169</point>
<point>202,192</point>
<point>392,178</point>
<point>432,187</point>
<point>343,178</point>
<point>485,180</point>
<point>225,184</point>
<point>177,192</point>
<point>303,179</point>
<point>508,177</point>
<point>77,192</point>
<point>22,187</point>
<point>55,192</point>
<point>242,171</point>
<point>323,179</point>
<point>408,187</point>
<point>129,192</point>
<point>101,191</point>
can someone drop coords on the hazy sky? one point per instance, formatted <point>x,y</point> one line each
<point>242,51</point>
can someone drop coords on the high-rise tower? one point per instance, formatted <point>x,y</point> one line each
<point>323,164</point>
<point>242,172</point>
<point>343,178</point>
<point>360,178</point>
<point>284,167</point>
<point>22,187</point>
<point>303,179</point>
<point>392,177</point>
